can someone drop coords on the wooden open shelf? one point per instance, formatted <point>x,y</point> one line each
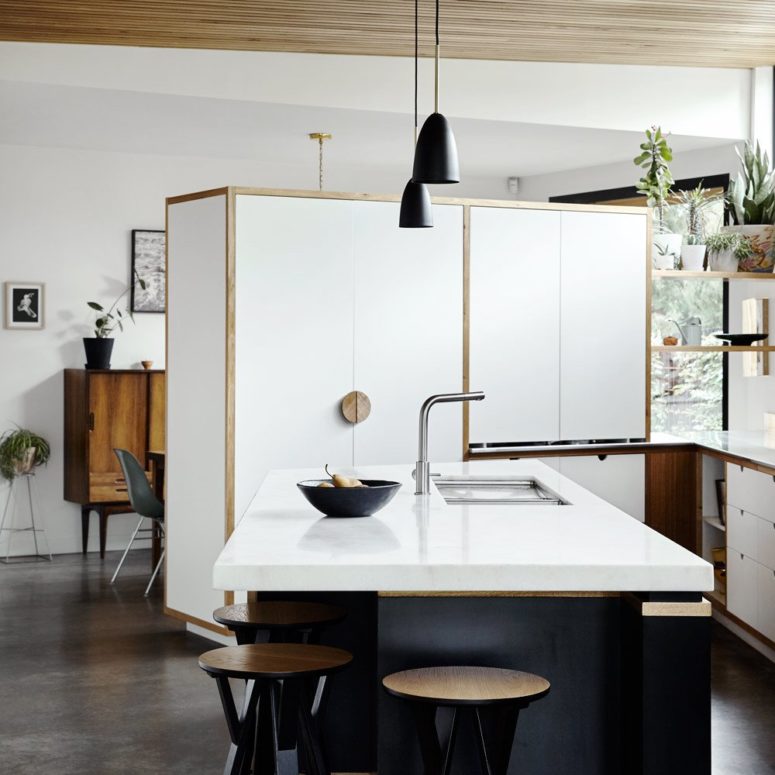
<point>680,274</point>
<point>711,348</point>
<point>714,521</point>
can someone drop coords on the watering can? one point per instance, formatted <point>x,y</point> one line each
<point>690,330</point>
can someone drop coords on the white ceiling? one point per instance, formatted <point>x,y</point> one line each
<point>41,114</point>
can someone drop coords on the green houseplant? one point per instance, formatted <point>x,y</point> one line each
<point>99,347</point>
<point>751,200</point>
<point>21,450</point>
<point>695,204</point>
<point>655,184</point>
<point>726,250</point>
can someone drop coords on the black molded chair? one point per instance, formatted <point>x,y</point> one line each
<point>144,503</point>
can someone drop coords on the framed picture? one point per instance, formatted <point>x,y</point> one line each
<point>148,265</point>
<point>24,308</point>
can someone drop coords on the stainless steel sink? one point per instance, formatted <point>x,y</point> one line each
<point>496,490</point>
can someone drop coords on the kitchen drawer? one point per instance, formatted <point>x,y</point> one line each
<point>751,490</point>
<point>108,488</point>
<point>743,531</point>
<point>742,583</point>
<point>765,550</point>
<point>766,610</point>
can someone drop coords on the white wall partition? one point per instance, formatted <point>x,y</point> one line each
<point>196,403</point>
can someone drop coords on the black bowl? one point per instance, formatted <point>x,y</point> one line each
<point>741,340</point>
<point>349,501</point>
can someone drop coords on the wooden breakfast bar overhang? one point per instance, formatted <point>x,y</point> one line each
<point>609,611</point>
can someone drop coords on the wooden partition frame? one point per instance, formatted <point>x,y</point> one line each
<point>231,193</point>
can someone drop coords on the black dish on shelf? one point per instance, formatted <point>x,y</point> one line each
<point>349,501</point>
<point>741,340</point>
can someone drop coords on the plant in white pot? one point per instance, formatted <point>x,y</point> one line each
<point>726,250</point>
<point>751,200</point>
<point>695,205</point>
<point>655,186</point>
<point>99,347</point>
<point>21,450</point>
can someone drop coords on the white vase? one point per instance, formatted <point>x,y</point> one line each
<point>665,250</point>
<point>722,261</point>
<point>762,239</point>
<point>693,258</point>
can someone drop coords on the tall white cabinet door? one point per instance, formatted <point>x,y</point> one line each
<point>408,331</point>
<point>515,321</point>
<point>603,326</point>
<point>294,336</point>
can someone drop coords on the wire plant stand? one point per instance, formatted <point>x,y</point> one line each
<point>13,494</point>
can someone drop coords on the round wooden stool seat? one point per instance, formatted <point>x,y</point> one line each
<point>466,685</point>
<point>278,615</point>
<point>274,660</point>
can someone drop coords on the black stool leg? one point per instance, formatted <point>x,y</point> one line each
<point>311,750</point>
<point>241,726</point>
<point>266,730</point>
<point>430,748</point>
<point>495,756</point>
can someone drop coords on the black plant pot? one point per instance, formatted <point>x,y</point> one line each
<point>98,352</point>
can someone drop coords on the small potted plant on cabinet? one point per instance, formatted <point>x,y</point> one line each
<point>695,204</point>
<point>751,199</point>
<point>655,185</point>
<point>21,450</point>
<point>726,250</point>
<point>99,347</point>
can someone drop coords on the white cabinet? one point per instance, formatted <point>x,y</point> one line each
<point>765,540</point>
<point>603,326</point>
<point>557,325</point>
<point>742,582</point>
<point>408,331</point>
<point>766,601</point>
<point>751,490</point>
<point>515,324</point>
<point>294,336</point>
<point>618,479</point>
<point>743,531</point>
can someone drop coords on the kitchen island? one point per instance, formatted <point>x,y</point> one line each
<point>609,611</point>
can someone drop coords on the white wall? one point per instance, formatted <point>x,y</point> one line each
<point>65,220</point>
<point>688,164</point>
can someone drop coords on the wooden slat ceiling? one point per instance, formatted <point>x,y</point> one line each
<point>713,33</point>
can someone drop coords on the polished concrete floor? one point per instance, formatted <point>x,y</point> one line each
<point>94,679</point>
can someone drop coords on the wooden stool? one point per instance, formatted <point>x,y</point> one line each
<point>286,621</point>
<point>476,692</point>
<point>269,669</point>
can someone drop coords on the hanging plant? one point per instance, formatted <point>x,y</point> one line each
<point>21,450</point>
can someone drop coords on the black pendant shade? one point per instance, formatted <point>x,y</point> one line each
<point>435,156</point>
<point>416,211</point>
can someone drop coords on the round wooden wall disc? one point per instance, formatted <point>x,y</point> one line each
<point>356,407</point>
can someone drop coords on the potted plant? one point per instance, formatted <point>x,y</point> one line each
<point>695,204</point>
<point>655,185</point>
<point>751,199</point>
<point>726,250</point>
<point>21,450</point>
<point>99,347</point>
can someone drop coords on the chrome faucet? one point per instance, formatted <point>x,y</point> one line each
<point>422,472</point>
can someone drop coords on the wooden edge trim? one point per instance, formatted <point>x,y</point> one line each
<point>649,294</point>
<point>636,448</point>
<point>230,371</point>
<point>441,200</point>
<point>180,616</point>
<point>174,200</point>
<point>737,461</point>
<point>701,608</point>
<point>498,594</point>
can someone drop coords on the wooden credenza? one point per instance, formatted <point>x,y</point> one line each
<point>105,410</point>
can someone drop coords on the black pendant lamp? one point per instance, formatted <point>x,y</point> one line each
<point>435,157</point>
<point>416,211</point>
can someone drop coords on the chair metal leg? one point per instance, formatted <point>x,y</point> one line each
<point>155,571</point>
<point>128,547</point>
<point>5,514</point>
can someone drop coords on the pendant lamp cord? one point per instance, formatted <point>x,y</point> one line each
<point>416,44</point>
<point>320,163</point>
<point>436,80</point>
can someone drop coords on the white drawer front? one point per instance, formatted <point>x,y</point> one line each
<point>766,612</point>
<point>743,531</point>
<point>742,582</point>
<point>752,491</point>
<point>766,543</point>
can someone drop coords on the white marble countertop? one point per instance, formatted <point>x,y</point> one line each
<point>753,446</point>
<point>420,543</point>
